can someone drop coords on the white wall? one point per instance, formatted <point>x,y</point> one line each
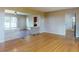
<point>55,23</point>
<point>2,39</point>
<point>41,22</point>
<point>12,34</point>
<point>21,21</point>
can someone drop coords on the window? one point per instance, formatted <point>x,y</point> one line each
<point>27,22</point>
<point>10,22</point>
<point>7,23</point>
<point>13,22</point>
<point>73,22</point>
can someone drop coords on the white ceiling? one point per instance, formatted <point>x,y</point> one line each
<point>49,9</point>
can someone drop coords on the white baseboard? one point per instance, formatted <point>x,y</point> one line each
<point>56,33</point>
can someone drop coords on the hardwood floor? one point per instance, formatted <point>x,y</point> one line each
<point>44,42</point>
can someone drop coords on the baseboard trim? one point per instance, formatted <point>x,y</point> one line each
<point>54,33</point>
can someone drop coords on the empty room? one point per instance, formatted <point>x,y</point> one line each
<point>39,29</point>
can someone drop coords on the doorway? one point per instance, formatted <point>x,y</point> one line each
<point>71,25</point>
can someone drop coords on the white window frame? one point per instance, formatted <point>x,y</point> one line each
<point>10,22</point>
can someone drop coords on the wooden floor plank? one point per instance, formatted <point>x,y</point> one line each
<point>44,42</point>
